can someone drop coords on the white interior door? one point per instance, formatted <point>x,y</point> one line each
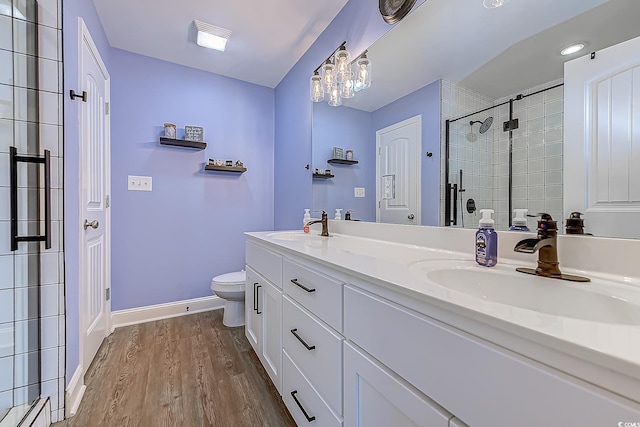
<point>398,172</point>
<point>602,140</point>
<point>94,185</point>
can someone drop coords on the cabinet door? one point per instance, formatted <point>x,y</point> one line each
<point>270,305</point>
<point>373,396</point>
<point>252,316</point>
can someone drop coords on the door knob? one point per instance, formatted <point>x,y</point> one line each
<point>411,216</point>
<point>93,224</point>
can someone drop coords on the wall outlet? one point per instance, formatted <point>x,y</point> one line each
<point>358,192</point>
<point>139,183</point>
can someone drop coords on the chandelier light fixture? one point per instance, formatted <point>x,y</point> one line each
<point>340,77</point>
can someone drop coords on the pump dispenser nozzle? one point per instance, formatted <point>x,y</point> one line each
<point>486,221</point>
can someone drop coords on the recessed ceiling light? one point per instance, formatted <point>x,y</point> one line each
<point>571,49</point>
<point>212,37</point>
<point>492,4</point>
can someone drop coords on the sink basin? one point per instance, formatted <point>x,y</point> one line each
<point>298,236</point>
<point>502,284</point>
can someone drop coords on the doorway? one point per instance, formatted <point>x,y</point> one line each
<point>398,172</point>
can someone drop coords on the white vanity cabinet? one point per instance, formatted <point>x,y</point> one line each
<point>263,309</point>
<point>352,353</point>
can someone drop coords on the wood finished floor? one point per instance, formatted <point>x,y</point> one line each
<point>187,371</point>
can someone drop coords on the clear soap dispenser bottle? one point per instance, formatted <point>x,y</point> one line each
<point>487,240</point>
<point>338,214</point>
<point>306,218</point>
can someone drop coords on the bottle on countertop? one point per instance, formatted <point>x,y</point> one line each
<point>338,214</point>
<point>487,240</point>
<point>305,219</point>
<point>519,221</point>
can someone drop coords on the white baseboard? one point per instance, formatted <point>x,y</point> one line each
<point>150,313</point>
<point>74,392</point>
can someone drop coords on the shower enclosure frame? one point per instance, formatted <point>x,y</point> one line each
<point>451,190</point>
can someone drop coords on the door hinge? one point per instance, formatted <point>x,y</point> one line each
<point>107,108</point>
<point>108,294</point>
<point>379,151</point>
<point>107,201</point>
<point>379,204</point>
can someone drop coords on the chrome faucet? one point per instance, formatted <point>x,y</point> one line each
<point>546,244</point>
<point>325,224</point>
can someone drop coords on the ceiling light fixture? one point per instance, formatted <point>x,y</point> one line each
<point>492,4</point>
<point>212,37</point>
<point>572,48</point>
<point>336,78</point>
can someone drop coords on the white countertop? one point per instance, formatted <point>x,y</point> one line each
<point>613,346</point>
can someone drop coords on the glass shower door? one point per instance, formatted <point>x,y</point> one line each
<point>24,208</point>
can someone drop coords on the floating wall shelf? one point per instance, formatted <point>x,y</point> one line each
<point>224,168</point>
<point>183,143</point>
<point>325,176</point>
<point>342,162</point>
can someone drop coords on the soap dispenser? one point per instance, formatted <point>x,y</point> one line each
<point>575,224</point>
<point>487,240</point>
<point>306,218</point>
<point>519,222</point>
<point>338,214</point>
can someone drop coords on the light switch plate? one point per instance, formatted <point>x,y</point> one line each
<point>139,183</point>
<point>358,192</point>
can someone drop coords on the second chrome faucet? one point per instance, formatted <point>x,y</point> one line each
<point>546,244</point>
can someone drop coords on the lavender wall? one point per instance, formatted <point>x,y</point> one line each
<point>425,101</point>
<point>350,129</point>
<point>169,243</point>
<point>71,11</point>
<point>359,24</point>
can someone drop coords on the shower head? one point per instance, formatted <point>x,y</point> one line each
<point>484,126</point>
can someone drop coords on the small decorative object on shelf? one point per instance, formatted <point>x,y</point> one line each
<point>222,166</point>
<point>170,131</point>
<point>338,153</point>
<point>194,133</point>
<point>349,155</point>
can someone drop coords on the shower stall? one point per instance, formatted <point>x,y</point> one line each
<point>505,156</point>
<point>31,262</point>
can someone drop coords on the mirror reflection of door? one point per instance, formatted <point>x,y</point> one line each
<point>398,172</point>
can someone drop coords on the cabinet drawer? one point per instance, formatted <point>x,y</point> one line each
<point>318,293</point>
<point>482,384</point>
<point>376,397</point>
<point>304,403</point>
<point>321,363</point>
<point>268,263</point>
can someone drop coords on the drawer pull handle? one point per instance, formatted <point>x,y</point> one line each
<point>312,347</point>
<point>295,282</point>
<point>293,394</point>
<point>257,301</point>
<point>255,297</point>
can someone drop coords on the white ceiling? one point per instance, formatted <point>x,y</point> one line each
<point>268,37</point>
<point>496,52</point>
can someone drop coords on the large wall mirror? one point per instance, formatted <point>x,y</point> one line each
<point>465,112</point>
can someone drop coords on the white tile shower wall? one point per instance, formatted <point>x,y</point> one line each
<point>30,37</point>
<point>537,154</point>
<point>469,150</point>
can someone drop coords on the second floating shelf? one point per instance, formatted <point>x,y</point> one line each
<point>325,176</point>
<point>342,162</point>
<point>225,168</point>
<point>183,143</point>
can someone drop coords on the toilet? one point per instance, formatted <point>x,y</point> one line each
<point>230,287</point>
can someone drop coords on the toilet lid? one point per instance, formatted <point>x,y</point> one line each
<point>235,278</point>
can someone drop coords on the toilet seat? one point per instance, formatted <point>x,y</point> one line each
<point>230,281</point>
